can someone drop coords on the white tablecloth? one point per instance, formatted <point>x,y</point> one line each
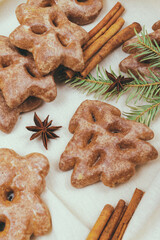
<point>74,211</point>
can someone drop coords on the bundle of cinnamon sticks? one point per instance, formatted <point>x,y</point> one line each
<point>112,223</point>
<point>104,38</point>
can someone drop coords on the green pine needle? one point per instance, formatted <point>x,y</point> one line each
<point>138,89</point>
<point>145,113</point>
<point>98,86</point>
<point>148,50</point>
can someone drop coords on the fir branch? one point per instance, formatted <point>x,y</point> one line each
<point>140,89</point>
<point>98,85</point>
<point>145,113</point>
<point>148,50</point>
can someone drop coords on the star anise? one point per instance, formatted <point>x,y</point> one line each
<point>43,129</point>
<point>117,82</point>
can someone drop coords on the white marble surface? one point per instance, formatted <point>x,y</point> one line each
<point>74,211</point>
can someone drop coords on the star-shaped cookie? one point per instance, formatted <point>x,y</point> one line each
<point>46,32</point>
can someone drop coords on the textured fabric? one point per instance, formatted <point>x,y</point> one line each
<point>74,211</point>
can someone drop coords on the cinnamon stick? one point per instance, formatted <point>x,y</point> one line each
<point>105,20</point>
<point>96,46</point>
<point>111,45</point>
<point>110,18</point>
<point>136,198</point>
<point>69,73</point>
<point>113,222</point>
<point>101,31</point>
<point>100,223</point>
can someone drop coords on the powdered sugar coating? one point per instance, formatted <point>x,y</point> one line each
<point>25,214</point>
<point>9,116</point>
<point>19,78</point>
<point>105,147</point>
<point>46,32</point>
<point>134,64</point>
<point>80,12</point>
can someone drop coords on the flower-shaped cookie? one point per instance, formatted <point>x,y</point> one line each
<point>105,147</point>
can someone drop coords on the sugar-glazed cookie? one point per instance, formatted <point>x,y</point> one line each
<point>105,147</point>
<point>22,212</point>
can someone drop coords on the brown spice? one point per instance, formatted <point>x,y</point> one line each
<point>43,129</point>
<point>100,34</point>
<point>101,222</point>
<point>112,226</point>
<point>136,198</point>
<point>115,42</point>
<point>98,44</point>
<point>105,24</point>
<point>114,221</point>
<point>117,82</point>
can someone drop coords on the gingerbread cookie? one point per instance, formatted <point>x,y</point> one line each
<point>80,12</point>
<point>134,64</point>
<point>105,147</point>
<point>46,32</point>
<point>156,26</point>
<point>9,116</point>
<point>22,212</point>
<point>129,49</point>
<point>19,77</point>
